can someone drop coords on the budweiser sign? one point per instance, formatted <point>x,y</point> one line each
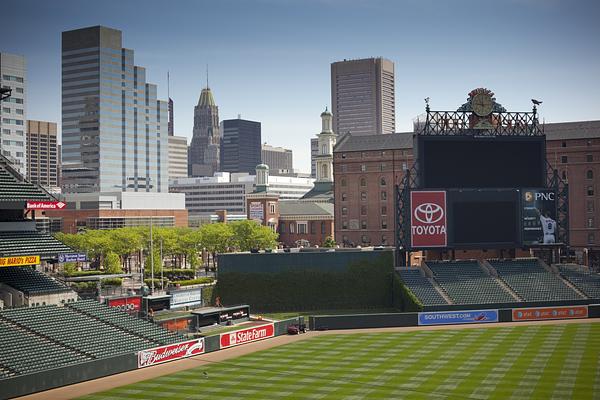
<point>247,335</point>
<point>45,205</point>
<point>428,224</point>
<point>170,352</point>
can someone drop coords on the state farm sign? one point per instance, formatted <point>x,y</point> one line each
<point>428,222</point>
<point>45,205</point>
<point>247,335</point>
<point>171,352</point>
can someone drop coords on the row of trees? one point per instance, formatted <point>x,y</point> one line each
<point>116,247</point>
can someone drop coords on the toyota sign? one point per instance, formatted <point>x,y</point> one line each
<point>428,226</point>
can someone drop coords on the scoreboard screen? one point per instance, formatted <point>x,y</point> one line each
<point>484,223</point>
<point>481,162</point>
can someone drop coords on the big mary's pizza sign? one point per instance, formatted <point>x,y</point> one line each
<point>428,221</point>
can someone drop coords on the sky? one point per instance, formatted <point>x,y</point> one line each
<point>269,60</point>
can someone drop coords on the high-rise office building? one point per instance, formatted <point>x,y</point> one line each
<point>42,154</point>
<point>203,156</point>
<point>178,157</point>
<point>363,96</point>
<point>278,159</point>
<point>13,113</point>
<point>170,125</point>
<point>240,145</point>
<point>314,151</point>
<point>114,130</point>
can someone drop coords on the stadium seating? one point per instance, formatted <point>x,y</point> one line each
<point>26,243</point>
<point>122,320</point>
<point>467,283</point>
<point>532,281</point>
<point>421,287</point>
<point>23,352</point>
<point>30,281</point>
<point>14,188</point>
<point>582,278</point>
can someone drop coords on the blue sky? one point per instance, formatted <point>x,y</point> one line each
<point>269,60</point>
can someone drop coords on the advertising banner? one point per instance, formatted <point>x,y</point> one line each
<point>72,257</point>
<point>182,298</point>
<point>542,313</point>
<point>257,211</point>
<point>170,352</point>
<point>129,304</point>
<point>538,210</point>
<point>428,223</point>
<point>18,261</point>
<point>45,205</point>
<point>248,335</point>
<point>458,317</point>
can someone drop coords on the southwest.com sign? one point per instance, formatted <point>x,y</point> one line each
<point>458,317</point>
<point>428,221</point>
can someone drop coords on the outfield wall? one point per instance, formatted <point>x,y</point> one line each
<point>451,317</point>
<point>22,385</point>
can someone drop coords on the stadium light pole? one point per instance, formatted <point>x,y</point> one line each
<point>161,266</point>
<point>151,259</point>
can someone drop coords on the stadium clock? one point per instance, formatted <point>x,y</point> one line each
<point>482,104</point>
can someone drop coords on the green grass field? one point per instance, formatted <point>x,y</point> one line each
<point>524,362</point>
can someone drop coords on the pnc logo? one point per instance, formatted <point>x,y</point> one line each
<point>528,196</point>
<point>429,213</point>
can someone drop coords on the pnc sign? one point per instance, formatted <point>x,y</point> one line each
<point>428,221</point>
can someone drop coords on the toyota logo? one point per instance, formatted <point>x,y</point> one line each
<point>429,213</point>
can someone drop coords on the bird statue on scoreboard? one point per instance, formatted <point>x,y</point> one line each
<point>536,102</point>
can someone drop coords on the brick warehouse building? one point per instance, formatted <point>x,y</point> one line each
<point>367,167</point>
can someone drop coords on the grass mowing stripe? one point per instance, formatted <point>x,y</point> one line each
<point>442,364</point>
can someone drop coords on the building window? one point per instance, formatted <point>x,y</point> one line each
<point>363,196</point>
<point>383,210</point>
<point>344,168</point>
<point>272,208</point>
<point>312,227</point>
<point>382,167</point>
<point>591,238</point>
<point>383,224</point>
<point>363,168</point>
<point>590,205</point>
<point>291,227</point>
<point>564,159</point>
<point>363,224</point>
<point>324,149</point>
<point>382,181</point>
<point>343,155</point>
<point>383,240</point>
<point>343,181</point>
<point>590,222</point>
<point>344,210</point>
<point>365,239</point>
<point>564,174</point>
<point>344,197</point>
<point>383,195</point>
<point>301,227</point>
<point>383,154</point>
<point>363,182</point>
<point>590,190</point>
<point>282,227</point>
<point>589,142</point>
<point>363,210</point>
<point>589,174</point>
<point>589,158</point>
<point>363,154</point>
<point>563,144</point>
<point>322,227</point>
<point>344,224</point>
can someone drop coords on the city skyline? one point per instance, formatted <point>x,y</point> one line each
<point>270,61</point>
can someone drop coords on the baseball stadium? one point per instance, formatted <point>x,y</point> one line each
<point>434,317</point>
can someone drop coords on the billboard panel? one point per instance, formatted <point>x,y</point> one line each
<point>257,211</point>
<point>543,313</point>
<point>128,304</point>
<point>458,317</point>
<point>181,298</point>
<point>248,335</point>
<point>171,352</point>
<point>538,210</point>
<point>428,226</point>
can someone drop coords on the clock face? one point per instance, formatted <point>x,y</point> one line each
<point>482,104</point>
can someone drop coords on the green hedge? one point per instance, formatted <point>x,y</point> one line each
<point>189,282</point>
<point>148,282</point>
<point>83,273</point>
<point>361,284</point>
<point>84,286</point>
<point>208,298</point>
<point>112,282</point>
<point>404,299</point>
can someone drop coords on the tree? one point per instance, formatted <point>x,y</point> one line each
<point>250,234</point>
<point>216,237</point>
<point>157,264</point>
<point>112,263</point>
<point>329,242</point>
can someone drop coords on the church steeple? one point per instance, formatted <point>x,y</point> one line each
<point>327,140</point>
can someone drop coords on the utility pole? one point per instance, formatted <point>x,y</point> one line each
<point>151,258</point>
<point>161,266</point>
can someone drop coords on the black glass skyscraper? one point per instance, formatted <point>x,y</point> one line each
<point>240,146</point>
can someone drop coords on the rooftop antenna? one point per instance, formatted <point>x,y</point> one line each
<point>207,76</point>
